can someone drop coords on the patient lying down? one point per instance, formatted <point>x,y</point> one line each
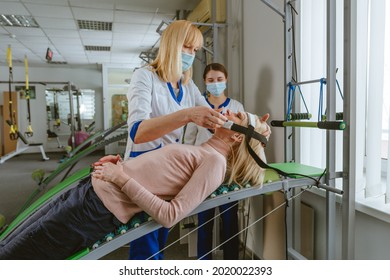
<point>168,184</point>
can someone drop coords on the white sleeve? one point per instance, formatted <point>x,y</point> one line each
<point>236,106</point>
<point>190,133</point>
<point>240,107</point>
<point>139,96</point>
<point>199,98</point>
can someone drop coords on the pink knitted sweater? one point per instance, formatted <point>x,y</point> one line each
<point>167,183</point>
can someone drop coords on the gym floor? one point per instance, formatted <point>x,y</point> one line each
<point>17,185</point>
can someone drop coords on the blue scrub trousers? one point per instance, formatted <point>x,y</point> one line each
<point>229,228</point>
<point>148,245</point>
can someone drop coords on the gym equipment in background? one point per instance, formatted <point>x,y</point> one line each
<point>21,146</point>
<point>29,132</point>
<point>13,130</point>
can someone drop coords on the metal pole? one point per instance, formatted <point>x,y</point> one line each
<point>288,142</point>
<point>274,7</point>
<point>288,65</point>
<point>331,134</point>
<point>349,147</point>
<point>215,30</point>
<point>72,132</point>
<point>306,82</point>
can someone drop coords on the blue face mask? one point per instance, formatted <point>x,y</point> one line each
<point>186,60</point>
<point>216,89</point>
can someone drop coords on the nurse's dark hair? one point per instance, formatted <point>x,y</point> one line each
<point>215,67</point>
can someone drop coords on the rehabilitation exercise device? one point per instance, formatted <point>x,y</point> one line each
<point>22,145</point>
<point>13,132</point>
<point>29,132</point>
<point>295,119</point>
<point>141,224</point>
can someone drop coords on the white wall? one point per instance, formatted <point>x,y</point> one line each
<point>371,233</point>
<point>262,85</point>
<point>86,77</point>
<point>263,72</point>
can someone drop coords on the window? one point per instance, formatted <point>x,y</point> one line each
<point>373,90</point>
<point>58,105</point>
<point>312,66</point>
<point>386,89</point>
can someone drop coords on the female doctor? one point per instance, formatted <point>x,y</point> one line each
<point>162,99</point>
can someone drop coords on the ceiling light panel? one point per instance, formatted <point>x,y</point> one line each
<point>18,21</point>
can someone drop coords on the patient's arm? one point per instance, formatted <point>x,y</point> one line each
<point>109,158</point>
<point>111,172</point>
<point>206,178</point>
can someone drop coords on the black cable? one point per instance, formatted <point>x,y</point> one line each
<point>293,41</point>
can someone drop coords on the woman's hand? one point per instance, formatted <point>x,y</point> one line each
<point>267,130</point>
<point>112,173</point>
<point>206,117</point>
<point>109,158</point>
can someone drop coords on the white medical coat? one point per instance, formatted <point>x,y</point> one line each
<point>196,135</point>
<point>149,97</point>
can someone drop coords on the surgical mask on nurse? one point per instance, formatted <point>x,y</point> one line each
<point>186,60</point>
<point>216,89</point>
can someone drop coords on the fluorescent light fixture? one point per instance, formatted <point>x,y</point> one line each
<point>18,21</point>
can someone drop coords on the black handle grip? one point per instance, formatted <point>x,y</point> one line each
<point>332,125</point>
<point>277,123</point>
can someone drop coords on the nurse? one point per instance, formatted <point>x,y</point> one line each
<point>215,77</point>
<point>162,99</point>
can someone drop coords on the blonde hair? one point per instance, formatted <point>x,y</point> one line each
<point>168,61</point>
<point>242,168</point>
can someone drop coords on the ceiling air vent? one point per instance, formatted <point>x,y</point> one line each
<point>57,62</point>
<point>94,25</point>
<point>98,48</point>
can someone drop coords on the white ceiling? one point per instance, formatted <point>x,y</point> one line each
<point>133,29</point>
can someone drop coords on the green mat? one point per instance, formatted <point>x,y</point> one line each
<point>43,199</point>
<point>297,168</point>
